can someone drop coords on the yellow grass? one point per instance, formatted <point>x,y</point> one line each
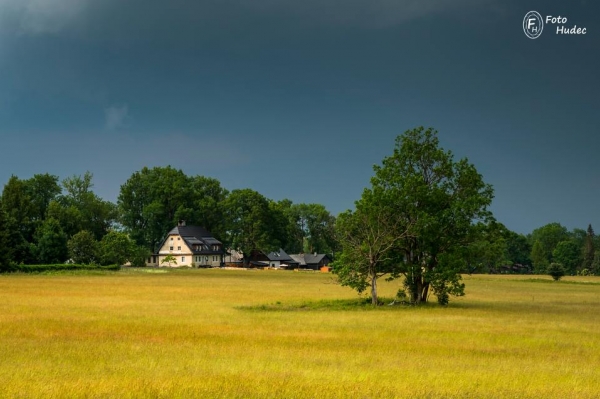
<point>202,333</point>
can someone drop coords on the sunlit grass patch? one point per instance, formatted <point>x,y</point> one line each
<point>581,280</point>
<point>234,334</point>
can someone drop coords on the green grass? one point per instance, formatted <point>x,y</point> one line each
<point>154,333</point>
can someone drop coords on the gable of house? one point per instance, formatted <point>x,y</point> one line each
<point>191,246</point>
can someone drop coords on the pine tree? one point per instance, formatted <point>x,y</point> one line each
<point>588,256</point>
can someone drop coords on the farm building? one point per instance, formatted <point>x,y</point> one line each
<point>190,246</point>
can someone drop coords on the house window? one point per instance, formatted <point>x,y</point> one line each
<point>170,248</point>
<point>171,238</point>
<point>178,238</point>
<point>182,259</point>
<point>179,248</point>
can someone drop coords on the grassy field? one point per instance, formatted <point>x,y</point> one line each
<point>263,334</point>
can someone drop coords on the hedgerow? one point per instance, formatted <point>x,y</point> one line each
<point>57,267</point>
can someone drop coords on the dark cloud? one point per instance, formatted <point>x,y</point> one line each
<point>308,92</point>
<point>143,19</point>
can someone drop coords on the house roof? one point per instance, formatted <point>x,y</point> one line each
<point>190,231</point>
<point>299,258</point>
<point>195,236</point>
<point>308,259</point>
<point>314,258</point>
<point>280,255</point>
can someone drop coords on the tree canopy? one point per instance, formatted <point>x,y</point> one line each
<point>370,238</point>
<point>439,201</point>
<point>250,223</point>
<point>151,202</point>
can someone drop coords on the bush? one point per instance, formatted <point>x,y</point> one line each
<point>83,248</point>
<point>556,270</point>
<point>585,272</point>
<point>138,256</point>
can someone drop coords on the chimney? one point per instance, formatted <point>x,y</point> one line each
<point>181,223</point>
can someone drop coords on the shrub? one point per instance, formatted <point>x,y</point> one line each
<point>556,270</point>
<point>83,248</point>
<point>585,272</point>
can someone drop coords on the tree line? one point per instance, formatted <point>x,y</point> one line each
<point>44,220</point>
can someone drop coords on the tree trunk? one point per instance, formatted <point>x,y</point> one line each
<point>420,290</point>
<point>374,299</point>
<point>425,292</point>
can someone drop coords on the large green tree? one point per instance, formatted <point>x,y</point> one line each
<point>539,258</point>
<point>17,204</point>
<point>250,223</point>
<point>42,189</point>
<point>149,201</point>
<point>51,243</point>
<point>206,205</point>
<point>319,228</point>
<point>79,203</point>
<point>291,235</point>
<point>116,248</point>
<point>310,228</point>
<point>568,253</point>
<point>441,200</point>
<point>26,204</point>
<point>152,201</point>
<point>548,236</point>
<point>518,248</point>
<point>370,237</point>
<point>578,236</point>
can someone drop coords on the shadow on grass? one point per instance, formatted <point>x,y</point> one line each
<point>361,304</point>
<point>550,281</point>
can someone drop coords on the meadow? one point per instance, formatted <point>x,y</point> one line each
<point>154,333</point>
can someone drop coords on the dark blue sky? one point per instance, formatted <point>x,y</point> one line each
<point>299,99</point>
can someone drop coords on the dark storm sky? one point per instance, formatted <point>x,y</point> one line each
<point>298,99</point>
